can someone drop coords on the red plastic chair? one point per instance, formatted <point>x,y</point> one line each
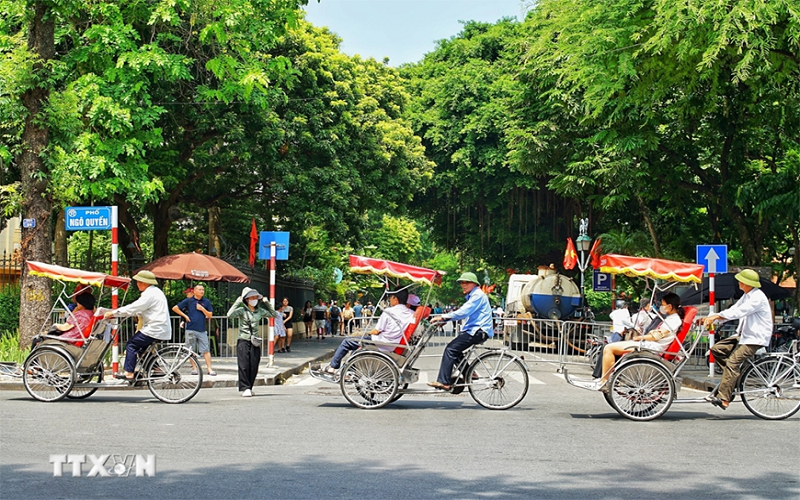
<point>420,314</point>
<point>675,347</point>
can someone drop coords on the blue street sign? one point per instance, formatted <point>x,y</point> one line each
<point>281,238</point>
<point>713,258</point>
<point>87,218</point>
<point>28,223</point>
<point>601,282</point>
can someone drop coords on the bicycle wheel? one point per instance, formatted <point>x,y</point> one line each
<point>48,375</point>
<point>169,375</point>
<point>85,392</point>
<point>770,388</point>
<point>641,390</point>
<point>497,380</point>
<point>609,400</point>
<point>369,381</point>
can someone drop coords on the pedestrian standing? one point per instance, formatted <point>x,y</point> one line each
<point>335,316</point>
<point>249,308</point>
<point>357,307</point>
<point>195,311</point>
<point>288,314</point>
<point>320,319</point>
<point>280,331</point>
<point>308,319</point>
<point>347,318</point>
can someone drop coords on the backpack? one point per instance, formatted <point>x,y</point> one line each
<point>335,312</point>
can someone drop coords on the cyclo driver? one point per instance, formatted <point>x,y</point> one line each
<point>477,328</point>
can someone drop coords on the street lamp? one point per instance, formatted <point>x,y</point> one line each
<point>584,243</point>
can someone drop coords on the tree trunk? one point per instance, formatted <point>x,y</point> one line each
<point>648,221</point>
<point>60,243</point>
<point>161,225</point>
<point>750,250</point>
<point>36,241</point>
<point>214,232</point>
<point>129,234</point>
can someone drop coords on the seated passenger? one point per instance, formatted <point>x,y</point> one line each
<point>413,302</point>
<point>657,339</point>
<point>642,319</point>
<point>77,321</point>
<point>389,328</point>
<point>80,288</point>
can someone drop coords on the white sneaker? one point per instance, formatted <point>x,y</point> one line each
<point>247,393</point>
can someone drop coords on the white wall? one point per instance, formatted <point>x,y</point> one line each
<point>10,237</point>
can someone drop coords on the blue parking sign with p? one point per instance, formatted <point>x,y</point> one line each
<point>601,282</point>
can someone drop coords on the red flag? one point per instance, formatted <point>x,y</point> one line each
<point>595,254</point>
<point>253,243</point>
<point>570,257</point>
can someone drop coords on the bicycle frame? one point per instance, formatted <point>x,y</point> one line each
<point>376,374</point>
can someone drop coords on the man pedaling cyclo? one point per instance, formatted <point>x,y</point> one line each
<point>477,328</point>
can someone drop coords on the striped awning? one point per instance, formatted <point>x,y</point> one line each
<point>366,265</point>
<point>662,269</point>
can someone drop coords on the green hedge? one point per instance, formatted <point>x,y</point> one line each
<point>9,309</point>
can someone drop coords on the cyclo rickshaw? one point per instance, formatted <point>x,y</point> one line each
<point>379,373</point>
<point>642,384</point>
<point>56,369</point>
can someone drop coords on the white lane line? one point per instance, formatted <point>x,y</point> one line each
<point>309,380</point>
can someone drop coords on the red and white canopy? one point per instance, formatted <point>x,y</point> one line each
<point>365,265</point>
<point>661,269</point>
<point>76,275</point>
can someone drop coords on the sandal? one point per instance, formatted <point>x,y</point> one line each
<point>438,385</point>
<point>329,370</point>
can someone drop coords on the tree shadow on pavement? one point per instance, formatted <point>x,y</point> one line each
<point>327,479</point>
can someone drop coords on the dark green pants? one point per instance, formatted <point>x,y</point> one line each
<point>730,355</point>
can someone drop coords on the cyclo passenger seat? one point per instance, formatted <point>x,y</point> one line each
<point>675,347</point>
<point>86,331</point>
<point>420,314</point>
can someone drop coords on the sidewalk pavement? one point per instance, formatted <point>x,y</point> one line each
<point>304,352</point>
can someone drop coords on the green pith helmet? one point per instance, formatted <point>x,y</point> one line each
<point>749,277</point>
<point>470,277</point>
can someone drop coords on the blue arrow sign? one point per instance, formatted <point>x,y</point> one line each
<point>87,218</point>
<point>713,258</point>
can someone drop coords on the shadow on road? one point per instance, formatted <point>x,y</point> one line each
<point>324,479</point>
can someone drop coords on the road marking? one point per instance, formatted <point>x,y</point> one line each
<point>308,380</point>
<point>534,381</point>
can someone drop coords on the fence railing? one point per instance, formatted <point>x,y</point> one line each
<point>573,342</point>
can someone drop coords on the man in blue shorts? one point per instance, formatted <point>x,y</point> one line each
<point>195,311</point>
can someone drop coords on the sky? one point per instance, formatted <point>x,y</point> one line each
<point>403,30</point>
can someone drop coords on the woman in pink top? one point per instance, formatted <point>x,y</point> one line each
<point>79,319</point>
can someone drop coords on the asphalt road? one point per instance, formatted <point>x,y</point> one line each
<point>303,440</point>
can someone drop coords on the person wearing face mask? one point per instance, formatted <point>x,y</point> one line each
<point>657,339</point>
<point>250,308</point>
